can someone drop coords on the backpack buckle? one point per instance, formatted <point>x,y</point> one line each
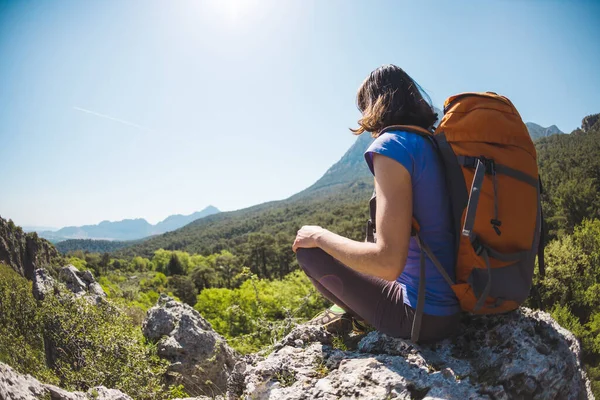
<point>477,246</point>
<point>471,162</point>
<point>490,165</point>
<point>496,224</point>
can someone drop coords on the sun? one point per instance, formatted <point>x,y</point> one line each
<point>235,11</point>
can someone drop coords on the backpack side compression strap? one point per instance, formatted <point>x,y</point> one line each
<point>416,328</point>
<point>425,251</point>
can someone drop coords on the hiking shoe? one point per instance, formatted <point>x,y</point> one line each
<point>360,327</point>
<point>333,322</point>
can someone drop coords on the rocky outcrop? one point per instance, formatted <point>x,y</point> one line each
<point>16,386</point>
<point>81,284</point>
<point>25,252</point>
<point>69,275</point>
<point>200,358</point>
<point>521,355</point>
<point>589,122</point>
<point>43,284</point>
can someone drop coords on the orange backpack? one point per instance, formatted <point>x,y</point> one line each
<point>492,178</point>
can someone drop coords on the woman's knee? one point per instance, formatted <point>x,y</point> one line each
<point>310,258</point>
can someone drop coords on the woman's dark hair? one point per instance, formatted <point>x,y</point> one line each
<point>389,96</point>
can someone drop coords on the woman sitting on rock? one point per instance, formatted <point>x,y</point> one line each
<point>378,282</point>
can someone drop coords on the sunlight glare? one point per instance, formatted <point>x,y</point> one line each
<point>236,11</point>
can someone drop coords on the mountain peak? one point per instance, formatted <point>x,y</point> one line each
<point>537,131</point>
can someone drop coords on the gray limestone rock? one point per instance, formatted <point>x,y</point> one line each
<point>200,358</point>
<point>43,284</point>
<point>16,386</point>
<point>70,276</point>
<point>81,283</point>
<point>524,354</point>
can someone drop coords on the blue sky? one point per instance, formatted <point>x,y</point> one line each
<point>120,109</point>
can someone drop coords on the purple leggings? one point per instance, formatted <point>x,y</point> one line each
<point>375,300</point>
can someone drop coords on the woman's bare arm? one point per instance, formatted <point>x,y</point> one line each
<point>386,258</point>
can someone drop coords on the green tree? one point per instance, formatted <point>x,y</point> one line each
<point>184,288</point>
<point>93,262</point>
<point>204,276</point>
<point>228,267</point>
<point>104,263</point>
<point>139,264</point>
<point>160,260</point>
<point>174,267</point>
<point>260,254</point>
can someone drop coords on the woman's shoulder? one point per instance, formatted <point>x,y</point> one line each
<point>400,139</point>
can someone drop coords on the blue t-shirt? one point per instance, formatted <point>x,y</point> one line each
<point>431,209</point>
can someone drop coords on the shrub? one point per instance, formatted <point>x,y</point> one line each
<point>260,311</point>
<point>89,344</point>
<point>98,345</point>
<point>21,340</point>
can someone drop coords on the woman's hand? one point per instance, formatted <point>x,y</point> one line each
<point>307,237</point>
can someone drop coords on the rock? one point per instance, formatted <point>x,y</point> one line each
<point>93,287</point>
<point>589,122</point>
<point>87,277</point>
<point>19,387</point>
<point>96,289</point>
<point>524,354</point>
<point>203,398</point>
<point>16,386</point>
<point>81,283</point>
<point>25,252</point>
<point>102,393</point>
<point>70,276</point>
<point>43,284</point>
<point>200,358</point>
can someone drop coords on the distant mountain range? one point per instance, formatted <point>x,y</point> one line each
<point>127,229</point>
<point>536,131</point>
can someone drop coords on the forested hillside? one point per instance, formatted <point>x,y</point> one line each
<point>266,231</point>
<point>93,245</point>
<point>570,171</point>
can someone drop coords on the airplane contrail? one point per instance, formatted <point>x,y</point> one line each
<point>110,118</point>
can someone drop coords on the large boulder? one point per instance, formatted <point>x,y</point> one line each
<point>81,284</point>
<point>521,355</point>
<point>200,358</point>
<point>16,386</point>
<point>69,275</point>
